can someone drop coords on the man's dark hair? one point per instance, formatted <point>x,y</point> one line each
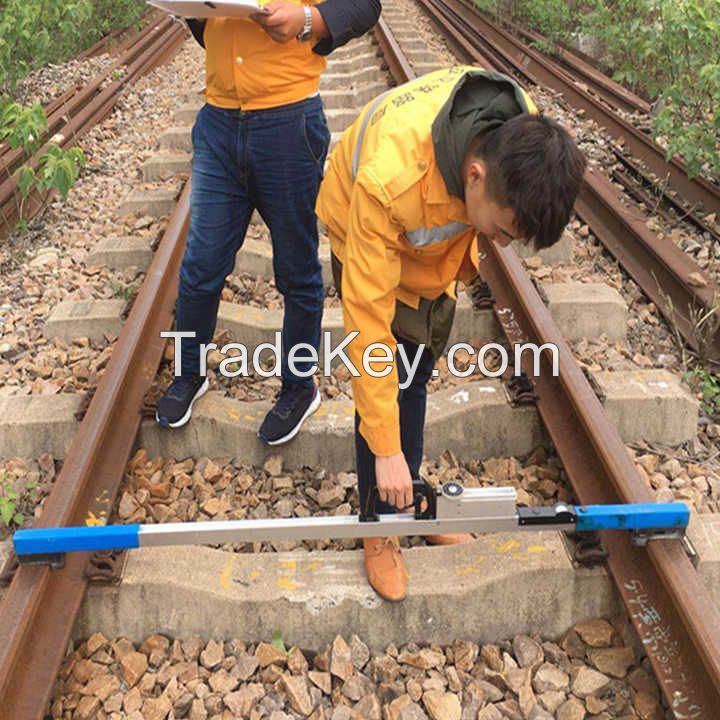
<point>534,167</point>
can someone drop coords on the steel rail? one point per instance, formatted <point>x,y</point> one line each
<point>668,604</point>
<point>611,91</point>
<point>659,267</point>
<point>653,193</point>
<point>104,43</point>
<point>39,608</point>
<point>396,61</point>
<point>539,70</point>
<point>10,158</point>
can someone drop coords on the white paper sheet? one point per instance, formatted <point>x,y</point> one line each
<point>208,8</point>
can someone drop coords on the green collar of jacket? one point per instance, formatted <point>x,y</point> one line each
<point>481,100</point>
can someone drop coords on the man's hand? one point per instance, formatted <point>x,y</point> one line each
<point>284,21</point>
<point>393,480</point>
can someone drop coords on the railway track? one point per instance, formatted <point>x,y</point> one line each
<point>39,609</point>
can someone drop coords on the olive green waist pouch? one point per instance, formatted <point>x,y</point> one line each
<point>429,325</point>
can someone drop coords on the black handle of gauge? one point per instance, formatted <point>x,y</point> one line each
<point>424,502</point>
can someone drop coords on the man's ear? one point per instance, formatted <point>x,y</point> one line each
<point>475,175</point>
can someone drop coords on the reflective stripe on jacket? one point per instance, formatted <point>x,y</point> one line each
<point>395,229</point>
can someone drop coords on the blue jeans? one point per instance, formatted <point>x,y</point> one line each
<point>413,402</point>
<point>270,160</point>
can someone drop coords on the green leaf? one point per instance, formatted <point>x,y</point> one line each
<point>18,519</point>
<point>26,178</point>
<point>7,510</point>
<point>277,641</point>
<point>63,180</point>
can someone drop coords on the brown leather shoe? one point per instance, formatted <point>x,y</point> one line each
<point>451,539</point>
<point>385,568</point>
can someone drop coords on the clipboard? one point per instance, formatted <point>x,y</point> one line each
<point>209,8</point>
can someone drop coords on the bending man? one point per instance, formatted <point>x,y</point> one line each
<point>424,168</point>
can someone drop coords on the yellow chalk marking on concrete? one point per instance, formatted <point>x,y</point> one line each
<point>467,570</point>
<point>254,574</point>
<point>285,582</point>
<point>249,417</point>
<point>508,546</point>
<point>289,564</point>
<point>470,569</point>
<point>233,414</point>
<point>321,411</point>
<point>226,574</point>
<point>536,549</point>
<point>314,565</point>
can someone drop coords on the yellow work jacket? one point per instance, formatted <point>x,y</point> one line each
<point>246,69</point>
<point>396,230</point>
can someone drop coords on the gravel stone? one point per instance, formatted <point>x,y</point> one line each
<point>589,681</point>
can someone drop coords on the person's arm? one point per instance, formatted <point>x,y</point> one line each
<point>345,20</point>
<point>334,22</point>
<point>371,272</point>
<point>197,28</point>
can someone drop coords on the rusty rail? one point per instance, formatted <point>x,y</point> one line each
<point>667,601</point>
<point>659,267</point>
<point>39,609</point>
<point>668,604</point>
<point>612,92</point>
<point>106,43</point>
<point>395,60</point>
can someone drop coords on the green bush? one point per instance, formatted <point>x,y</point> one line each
<point>56,169</point>
<point>34,33</point>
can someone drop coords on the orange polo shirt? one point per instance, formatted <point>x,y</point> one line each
<point>247,69</point>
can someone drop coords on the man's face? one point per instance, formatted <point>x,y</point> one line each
<point>485,215</point>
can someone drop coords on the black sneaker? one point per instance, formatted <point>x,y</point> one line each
<point>175,407</point>
<point>294,404</point>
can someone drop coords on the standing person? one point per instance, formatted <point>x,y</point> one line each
<point>423,169</point>
<point>260,142</point>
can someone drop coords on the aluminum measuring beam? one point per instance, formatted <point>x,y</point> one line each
<point>451,508</point>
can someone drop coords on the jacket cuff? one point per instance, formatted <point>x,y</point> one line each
<point>382,440</point>
<point>345,21</point>
<point>197,28</point>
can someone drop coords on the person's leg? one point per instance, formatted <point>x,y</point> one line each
<point>413,404</point>
<point>219,215</point>
<point>287,149</point>
<point>383,558</point>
